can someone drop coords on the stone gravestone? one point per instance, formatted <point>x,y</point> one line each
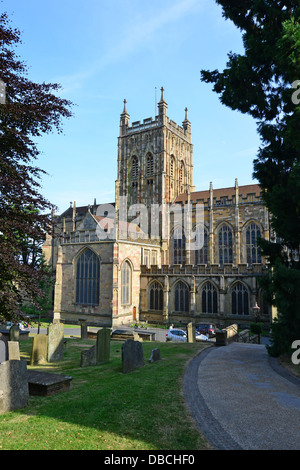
<point>191,335</point>
<point>103,345</point>
<point>88,357</point>
<point>14,333</point>
<point>83,329</point>
<point>132,355</point>
<point>3,352</point>
<point>155,355</point>
<point>14,392</point>
<point>3,348</point>
<point>221,338</point>
<point>39,350</point>
<point>55,342</point>
<point>13,350</point>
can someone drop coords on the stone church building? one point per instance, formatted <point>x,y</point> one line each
<point>161,251</point>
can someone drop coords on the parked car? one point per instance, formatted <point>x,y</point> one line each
<point>22,325</point>
<point>200,336</point>
<point>208,329</point>
<point>175,334</point>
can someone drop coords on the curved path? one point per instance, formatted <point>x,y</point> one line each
<point>241,399</point>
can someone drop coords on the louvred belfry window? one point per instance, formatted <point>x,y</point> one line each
<point>150,165</point>
<point>135,168</point>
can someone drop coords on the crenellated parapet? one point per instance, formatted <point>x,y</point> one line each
<point>205,270</point>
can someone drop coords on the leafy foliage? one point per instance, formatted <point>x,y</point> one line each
<point>261,84</point>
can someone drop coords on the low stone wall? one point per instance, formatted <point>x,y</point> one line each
<point>232,332</point>
<point>226,335</point>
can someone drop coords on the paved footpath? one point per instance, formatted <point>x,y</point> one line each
<point>241,399</point>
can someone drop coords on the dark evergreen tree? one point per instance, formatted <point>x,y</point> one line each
<point>264,82</point>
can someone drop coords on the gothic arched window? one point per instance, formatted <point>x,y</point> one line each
<point>201,240</point>
<point>225,245</point>
<point>181,297</point>
<point>126,283</point>
<point>87,278</point>
<point>252,250</point>
<point>240,299</point>
<point>209,298</point>
<point>156,296</point>
<point>179,246</point>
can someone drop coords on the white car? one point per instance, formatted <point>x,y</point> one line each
<point>174,334</point>
<point>200,337</point>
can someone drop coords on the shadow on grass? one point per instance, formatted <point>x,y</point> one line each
<point>106,409</point>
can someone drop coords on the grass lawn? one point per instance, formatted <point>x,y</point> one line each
<point>106,409</point>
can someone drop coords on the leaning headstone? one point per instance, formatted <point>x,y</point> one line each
<point>14,392</point>
<point>88,357</point>
<point>132,355</point>
<point>3,348</point>
<point>155,355</point>
<point>14,333</point>
<point>221,338</point>
<point>55,342</point>
<point>39,349</point>
<point>103,345</point>
<point>13,350</point>
<point>191,335</point>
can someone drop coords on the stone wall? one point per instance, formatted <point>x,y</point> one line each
<point>65,307</point>
<point>222,278</point>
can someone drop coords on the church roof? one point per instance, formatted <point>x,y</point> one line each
<point>221,192</point>
<point>81,210</point>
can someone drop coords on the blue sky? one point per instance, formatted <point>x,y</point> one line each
<point>102,52</point>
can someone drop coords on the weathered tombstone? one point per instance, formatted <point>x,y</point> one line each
<point>221,338</point>
<point>83,328</point>
<point>103,345</point>
<point>3,348</point>
<point>39,349</point>
<point>14,392</point>
<point>14,333</point>
<point>191,333</point>
<point>88,357</point>
<point>155,355</point>
<point>55,342</point>
<point>13,350</point>
<point>132,355</point>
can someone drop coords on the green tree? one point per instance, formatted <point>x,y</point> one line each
<point>264,83</point>
<point>27,111</point>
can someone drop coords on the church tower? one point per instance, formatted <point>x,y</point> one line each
<point>155,158</point>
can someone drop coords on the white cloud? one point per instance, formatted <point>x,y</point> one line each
<point>131,38</point>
